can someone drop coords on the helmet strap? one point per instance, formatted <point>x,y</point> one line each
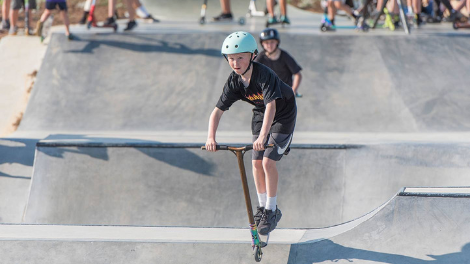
<point>251,61</point>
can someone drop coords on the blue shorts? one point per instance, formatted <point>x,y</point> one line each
<point>53,5</point>
<point>281,147</point>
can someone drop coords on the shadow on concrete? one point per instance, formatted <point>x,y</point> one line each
<point>181,158</point>
<point>155,46</point>
<point>329,251</point>
<point>16,151</point>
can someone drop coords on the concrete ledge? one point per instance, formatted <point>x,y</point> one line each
<point>141,234</point>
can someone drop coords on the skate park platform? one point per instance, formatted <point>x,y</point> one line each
<point>380,111</point>
<point>434,216</point>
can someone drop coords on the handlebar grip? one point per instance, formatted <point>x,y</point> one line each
<point>250,147</point>
<point>218,147</point>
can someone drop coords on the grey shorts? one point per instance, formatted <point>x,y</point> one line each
<point>281,145</point>
<point>18,4</point>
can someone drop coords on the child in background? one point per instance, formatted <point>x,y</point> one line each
<point>50,6</point>
<point>278,60</point>
<point>15,8</point>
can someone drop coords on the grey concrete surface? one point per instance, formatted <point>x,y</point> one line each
<point>340,85</point>
<point>135,185</point>
<point>16,166</point>
<point>19,57</point>
<point>389,235</point>
<point>379,83</point>
<point>412,230</point>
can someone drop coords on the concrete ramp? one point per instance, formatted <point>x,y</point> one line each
<point>416,226</point>
<point>155,184</point>
<point>167,82</point>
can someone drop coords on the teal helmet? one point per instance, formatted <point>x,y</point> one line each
<point>239,42</point>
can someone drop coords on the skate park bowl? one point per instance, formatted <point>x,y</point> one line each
<point>106,165</point>
<point>154,184</point>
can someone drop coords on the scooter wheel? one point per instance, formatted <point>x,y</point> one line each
<point>202,21</point>
<point>88,25</point>
<point>455,26</point>
<point>323,28</point>
<point>241,21</point>
<point>258,254</point>
<point>115,28</point>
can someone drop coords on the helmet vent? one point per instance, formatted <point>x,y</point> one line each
<point>226,46</point>
<point>236,46</point>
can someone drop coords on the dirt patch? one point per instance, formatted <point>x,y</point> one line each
<point>308,5</point>
<point>16,120</point>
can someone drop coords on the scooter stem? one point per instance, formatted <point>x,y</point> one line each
<point>246,191</point>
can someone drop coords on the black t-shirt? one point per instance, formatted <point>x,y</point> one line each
<point>285,66</point>
<point>264,87</point>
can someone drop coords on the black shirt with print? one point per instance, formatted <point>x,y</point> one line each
<point>264,87</point>
<point>285,66</point>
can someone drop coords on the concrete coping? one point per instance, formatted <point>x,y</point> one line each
<point>149,144</point>
<point>142,234</point>
<point>451,192</point>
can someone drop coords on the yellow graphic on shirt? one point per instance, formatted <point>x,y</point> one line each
<point>255,97</point>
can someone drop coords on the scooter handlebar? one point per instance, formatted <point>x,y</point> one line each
<point>247,147</point>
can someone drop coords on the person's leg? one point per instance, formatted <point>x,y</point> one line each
<point>111,8</point>
<point>468,7</point>
<point>284,18</point>
<point>272,178</point>
<point>110,21</point>
<point>260,182</point>
<point>130,9</point>
<point>32,6</point>
<point>331,11</point>
<point>86,11</point>
<point>226,14</point>
<point>13,21</point>
<point>453,13</point>
<point>65,18</point>
<point>379,4</point>
<point>6,9</point>
<point>392,7</point>
<point>131,24</point>
<point>6,14</point>
<point>283,6</point>
<point>259,176</point>
<point>140,10</point>
<point>225,5</point>
<point>272,214</point>
<point>45,15</point>
<point>40,23</point>
<point>461,5</point>
<point>270,7</point>
<point>345,8</point>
